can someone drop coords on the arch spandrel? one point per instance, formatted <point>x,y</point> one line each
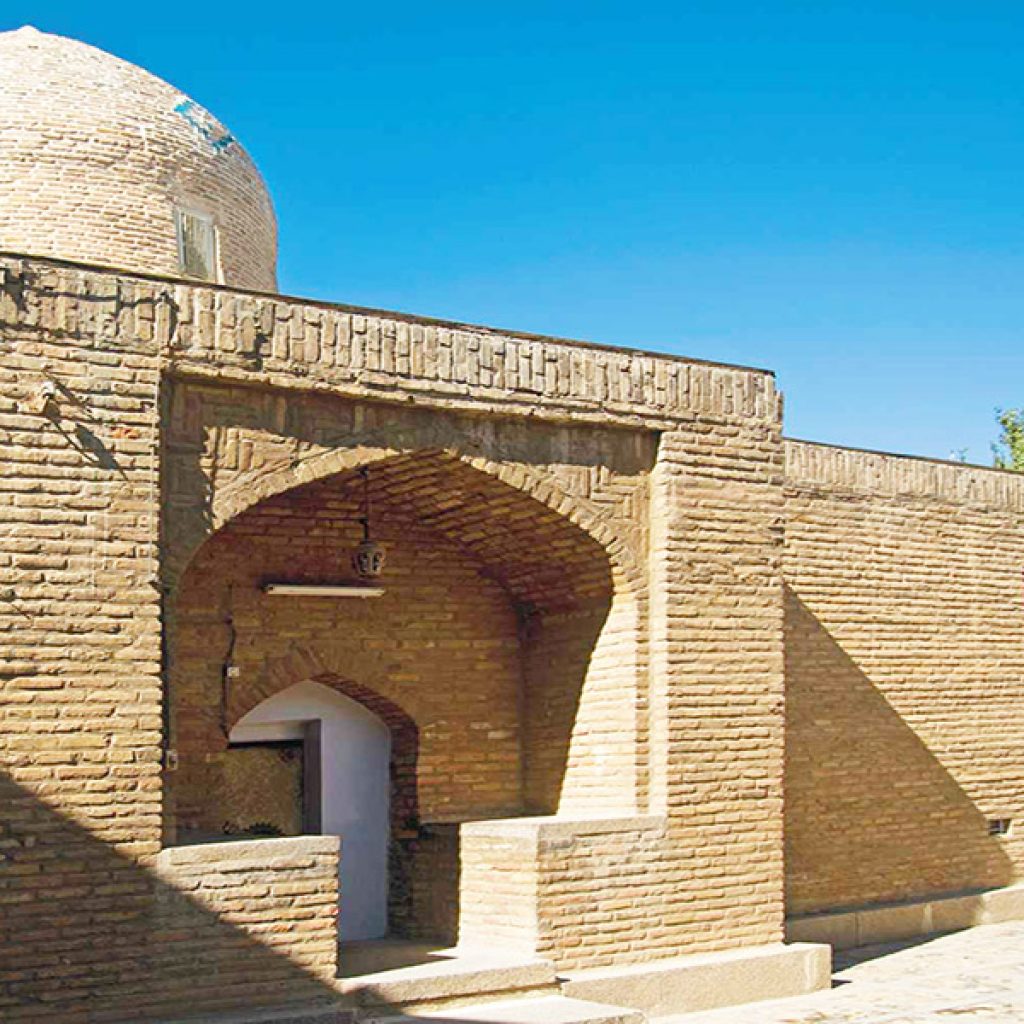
<point>223,466</point>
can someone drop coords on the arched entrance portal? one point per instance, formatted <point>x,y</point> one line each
<point>503,653</point>
<point>345,756</point>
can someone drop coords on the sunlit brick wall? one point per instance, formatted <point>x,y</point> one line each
<point>904,661</point>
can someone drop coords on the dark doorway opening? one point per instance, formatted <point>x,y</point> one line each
<point>273,787</point>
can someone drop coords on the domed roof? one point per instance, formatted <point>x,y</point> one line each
<point>104,163</point>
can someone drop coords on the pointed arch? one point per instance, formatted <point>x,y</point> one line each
<point>507,628</point>
<point>303,664</point>
<point>542,487</point>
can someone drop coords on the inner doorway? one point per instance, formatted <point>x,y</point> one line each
<point>351,748</point>
<point>265,785</point>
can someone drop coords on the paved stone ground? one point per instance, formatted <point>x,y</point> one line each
<point>973,977</point>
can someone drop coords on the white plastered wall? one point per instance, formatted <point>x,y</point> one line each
<point>355,748</point>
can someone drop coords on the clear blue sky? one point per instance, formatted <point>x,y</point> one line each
<point>831,190</point>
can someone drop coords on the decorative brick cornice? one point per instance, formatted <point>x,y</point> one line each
<point>809,464</point>
<point>259,339</point>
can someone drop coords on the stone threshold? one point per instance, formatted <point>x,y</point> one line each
<point>546,1010</point>
<point>217,850</point>
<point>558,826</point>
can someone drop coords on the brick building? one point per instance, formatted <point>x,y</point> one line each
<point>642,689</point>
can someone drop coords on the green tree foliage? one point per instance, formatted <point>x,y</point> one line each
<point>1009,449</point>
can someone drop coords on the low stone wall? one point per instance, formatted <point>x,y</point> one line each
<point>196,931</point>
<point>498,884</point>
<point>268,896</point>
<point>537,886</point>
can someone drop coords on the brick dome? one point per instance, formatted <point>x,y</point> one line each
<point>103,163</point>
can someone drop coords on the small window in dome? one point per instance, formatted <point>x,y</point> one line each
<point>197,245</point>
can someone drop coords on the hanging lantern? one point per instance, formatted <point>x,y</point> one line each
<point>368,557</point>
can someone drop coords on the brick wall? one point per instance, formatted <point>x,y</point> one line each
<point>625,861</point>
<point>449,644</point>
<point>86,932</point>
<point>498,891</point>
<point>583,710</point>
<point>704,872</point>
<point>79,647</point>
<point>281,896</point>
<point>556,659</point>
<point>904,656</point>
<point>902,626</point>
<point>262,395</point>
<point>717,682</point>
<point>434,860</point>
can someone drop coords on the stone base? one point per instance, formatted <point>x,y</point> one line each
<point>476,987</point>
<point>893,921</point>
<point>707,981</point>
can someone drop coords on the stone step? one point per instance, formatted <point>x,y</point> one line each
<point>545,1010</point>
<point>446,978</point>
<point>706,981</point>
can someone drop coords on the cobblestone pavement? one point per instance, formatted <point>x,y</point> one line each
<point>970,977</point>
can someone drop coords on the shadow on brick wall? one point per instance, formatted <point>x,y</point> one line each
<point>872,814</point>
<point>88,935</point>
